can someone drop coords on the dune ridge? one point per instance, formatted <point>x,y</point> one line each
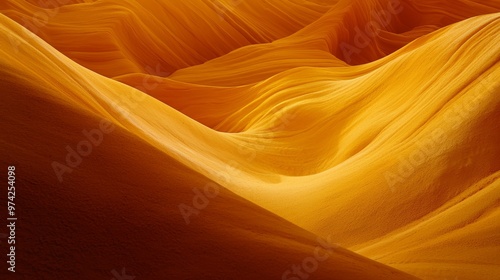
<point>144,224</point>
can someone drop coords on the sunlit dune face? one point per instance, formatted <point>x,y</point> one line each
<point>238,139</point>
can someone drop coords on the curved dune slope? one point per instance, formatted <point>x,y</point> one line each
<point>171,36</point>
<point>389,147</point>
<point>136,36</point>
<point>459,223</point>
<point>353,31</point>
<point>119,208</point>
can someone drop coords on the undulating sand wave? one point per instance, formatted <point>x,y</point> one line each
<point>373,124</point>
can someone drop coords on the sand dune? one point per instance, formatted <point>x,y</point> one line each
<point>132,35</point>
<point>386,143</point>
<point>71,230</point>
